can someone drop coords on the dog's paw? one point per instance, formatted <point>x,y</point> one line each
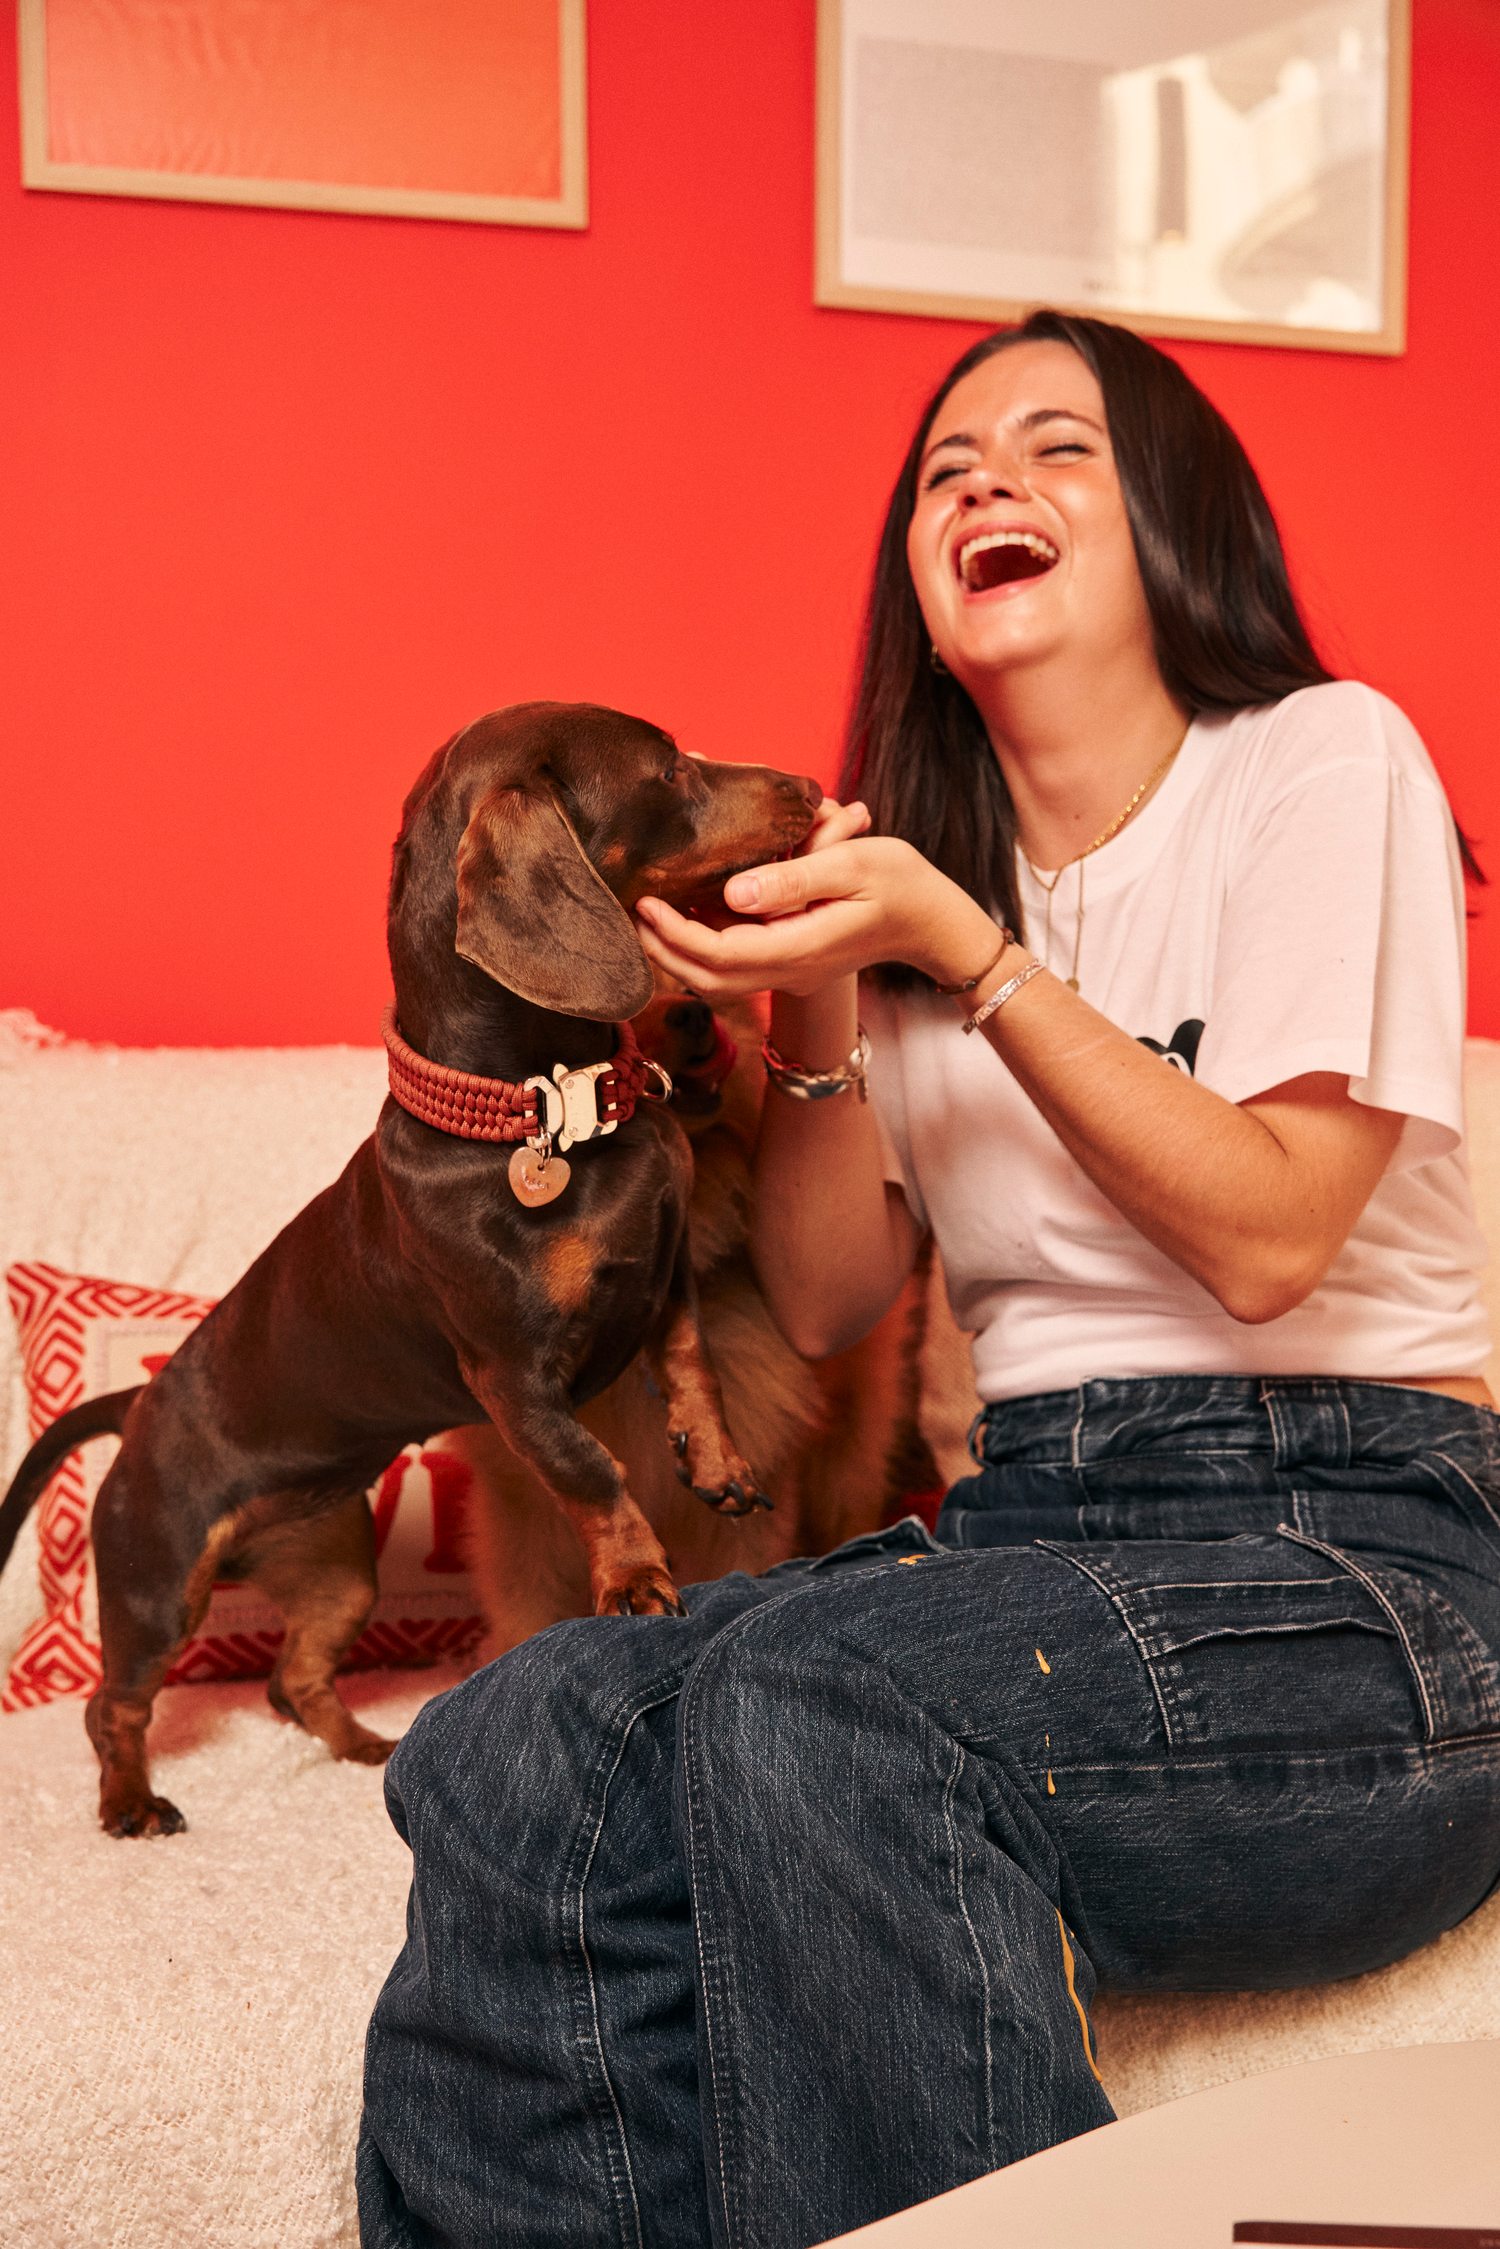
<point>645,1592</point>
<point>717,1476</point>
<point>740,1496</point>
<point>141,1815</point>
<point>372,1750</point>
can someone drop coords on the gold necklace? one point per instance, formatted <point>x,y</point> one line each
<point>1102,838</point>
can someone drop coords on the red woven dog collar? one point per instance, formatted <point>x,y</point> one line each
<point>474,1108</point>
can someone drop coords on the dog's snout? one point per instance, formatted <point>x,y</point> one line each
<point>811,789</point>
<point>692,1019</point>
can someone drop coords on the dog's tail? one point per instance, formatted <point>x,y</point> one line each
<point>96,1417</point>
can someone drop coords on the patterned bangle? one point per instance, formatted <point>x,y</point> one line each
<point>1008,938</point>
<point>818,1085</point>
<point>998,999</point>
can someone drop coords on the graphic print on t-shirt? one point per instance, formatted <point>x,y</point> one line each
<point>1182,1049</point>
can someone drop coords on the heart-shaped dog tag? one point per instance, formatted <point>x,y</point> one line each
<point>534,1182</point>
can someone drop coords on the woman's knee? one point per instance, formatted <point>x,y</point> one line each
<point>529,1740</point>
<point>764,1704</point>
<point>513,1736</point>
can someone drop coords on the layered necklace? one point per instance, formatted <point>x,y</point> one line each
<point>1104,836</point>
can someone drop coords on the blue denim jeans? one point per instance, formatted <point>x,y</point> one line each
<point>749,1928</point>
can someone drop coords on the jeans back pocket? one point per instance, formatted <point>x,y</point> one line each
<point>1259,1643</point>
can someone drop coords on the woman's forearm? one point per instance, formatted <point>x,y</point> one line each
<point>1253,1200</point>
<point>832,1242</point>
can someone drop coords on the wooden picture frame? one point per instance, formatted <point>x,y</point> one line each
<point>921,102</point>
<point>473,110</point>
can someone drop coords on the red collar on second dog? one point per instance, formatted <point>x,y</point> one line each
<point>475,1108</point>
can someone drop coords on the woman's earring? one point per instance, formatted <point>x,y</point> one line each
<point>936,660</point>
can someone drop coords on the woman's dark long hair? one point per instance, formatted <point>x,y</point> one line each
<point>1227,628</point>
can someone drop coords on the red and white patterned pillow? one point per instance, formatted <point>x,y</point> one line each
<point>81,1337</point>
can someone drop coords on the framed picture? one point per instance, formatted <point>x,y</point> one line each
<point>431,109</point>
<point>1226,168</point>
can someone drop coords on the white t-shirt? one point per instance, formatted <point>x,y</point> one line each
<point>1290,900</point>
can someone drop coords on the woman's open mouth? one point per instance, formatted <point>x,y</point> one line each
<point>996,558</point>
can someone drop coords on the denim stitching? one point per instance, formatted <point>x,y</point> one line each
<point>630,1717</point>
<point>1480,1663</point>
<point>1477,1489</point>
<point>740,1626</point>
<point>1343,1409</point>
<point>1217,1758</point>
<point>1235,1584</point>
<point>1096,1579</point>
<point>1336,1554</point>
<point>949,1787</point>
<point>1282,1447</point>
<point>1276,1631</point>
<point>708,2012</point>
<point>626,1717</point>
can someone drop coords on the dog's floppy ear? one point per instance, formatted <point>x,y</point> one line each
<point>534,914</point>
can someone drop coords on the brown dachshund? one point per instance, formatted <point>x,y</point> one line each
<point>445,1278</point>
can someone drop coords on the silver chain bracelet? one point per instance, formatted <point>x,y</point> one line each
<point>818,1085</point>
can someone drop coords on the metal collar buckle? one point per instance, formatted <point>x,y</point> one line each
<point>567,1104</point>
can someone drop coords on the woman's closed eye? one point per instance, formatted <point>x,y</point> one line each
<point>1065,449</point>
<point>949,469</point>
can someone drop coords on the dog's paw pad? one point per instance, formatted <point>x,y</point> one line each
<point>371,1751</point>
<point>736,1495</point>
<point>721,1498</point>
<point>649,1595</point>
<point>151,1816</point>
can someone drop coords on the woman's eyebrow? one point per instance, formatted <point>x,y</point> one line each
<point>959,437</point>
<point>1028,422</point>
<point>1058,414</point>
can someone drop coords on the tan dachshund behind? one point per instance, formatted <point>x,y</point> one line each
<point>836,1443</point>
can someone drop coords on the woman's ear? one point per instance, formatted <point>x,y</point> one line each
<point>534,914</point>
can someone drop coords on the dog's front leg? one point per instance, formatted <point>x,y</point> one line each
<point>628,1570</point>
<point>707,1457</point>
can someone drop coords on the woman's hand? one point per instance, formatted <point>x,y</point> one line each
<point>847,900</point>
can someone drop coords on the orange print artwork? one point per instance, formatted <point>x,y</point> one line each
<point>436,108</point>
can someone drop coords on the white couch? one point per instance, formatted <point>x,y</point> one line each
<point>184,2020</point>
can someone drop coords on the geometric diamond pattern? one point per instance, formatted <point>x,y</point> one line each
<point>81,1337</point>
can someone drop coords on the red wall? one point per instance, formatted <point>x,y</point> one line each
<point>288,497</point>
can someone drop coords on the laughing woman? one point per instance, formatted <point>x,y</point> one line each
<point>751,1927</point>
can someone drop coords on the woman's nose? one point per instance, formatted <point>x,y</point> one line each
<point>996,480</point>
